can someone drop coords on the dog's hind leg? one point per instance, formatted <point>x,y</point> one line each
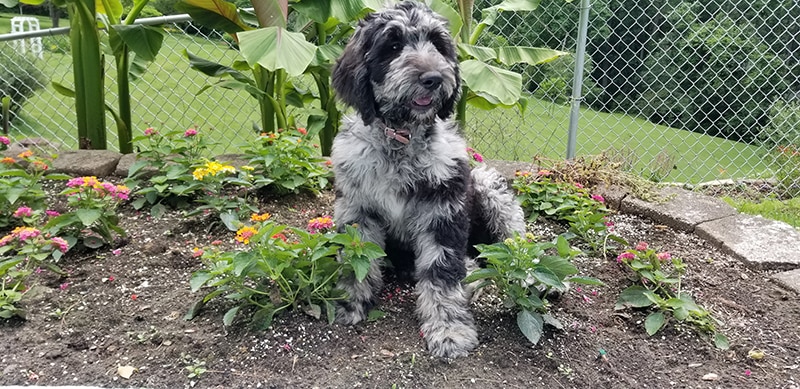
<point>442,302</point>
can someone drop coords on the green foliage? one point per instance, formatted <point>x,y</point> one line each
<point>787,170</point>
<point>21,184</point>
<point>56,44</point>
<point>713,77</point>
<point>787,211</point>
<point>164,168</point>
<point>22,252</point>
<point>585,213</point>
<point>286,161</point>
<point>92,216</point>
<point>275,273</point>
<point>658,286</point>
<point>525,272</point>
<point>784,125</point>
<point>19,78</point>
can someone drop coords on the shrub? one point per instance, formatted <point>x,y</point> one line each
<point>714,77</point>
<point>287,161</point>
<point>21,184</point>
<point>19,78</point>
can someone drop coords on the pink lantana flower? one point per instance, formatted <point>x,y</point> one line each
<point>598,198</point>
<point>23,212</point>
<point>190,133</point>
<point>149,131</point>
<point>665,256</point>
<point>641,246</point>
<point>4,141</point>
<point>625,256</point>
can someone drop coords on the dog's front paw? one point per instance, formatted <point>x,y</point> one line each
<point>453,340</point>
<point>350,313</point>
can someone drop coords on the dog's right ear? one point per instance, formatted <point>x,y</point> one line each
<point>351,78</point>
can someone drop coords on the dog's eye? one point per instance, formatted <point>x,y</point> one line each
<point>395,47</point>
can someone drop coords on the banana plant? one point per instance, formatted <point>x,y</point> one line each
<point>487,85</point>
<point>86,16</point>
<point>276,53</point>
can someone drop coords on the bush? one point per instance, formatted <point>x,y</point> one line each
<point>784,125</point>
<point>19,78</point>
<point>715,78</point>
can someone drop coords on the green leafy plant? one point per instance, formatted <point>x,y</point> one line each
<point>194,366</point>
<point>658,286</point>
<point>307,38</point>
<point>526,272</point>
<point>787,171</point>
<point>224,192</point>
<point>488,86</point>
<point>22,185</point>
<point>586,214</point>
<point>165,167</point>
<point>275,273</point>
<point>93,216</point>
<point>22,252</point>
<point>286,161</point>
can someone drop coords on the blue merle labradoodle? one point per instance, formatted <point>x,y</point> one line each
<point>403,174</point>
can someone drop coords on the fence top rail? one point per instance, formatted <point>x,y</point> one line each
<point>65,30</point>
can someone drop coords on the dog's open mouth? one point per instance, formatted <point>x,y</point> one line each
<point>422,102</point>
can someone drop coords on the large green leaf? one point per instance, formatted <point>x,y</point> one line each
<point>491,82</point>
<point>348,10</point>
<point>480,53</point>
<point>511,55</point>
<point>654,322</point>
<point>114,11</point>
<point>633,296</point>
<point>531,324</point>
<point>276,48</point>
<point>214,69</point>
<point>489,15</point>
<point>271,12</point>
<point>88,216</point>
<point>216,14</point>
<point>454,19</point>
<point>145,41</point>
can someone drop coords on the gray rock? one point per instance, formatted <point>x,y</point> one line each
<point>683,211</point>
<point>789,279</point>
<point>760,242</point>
<point>100,163</point>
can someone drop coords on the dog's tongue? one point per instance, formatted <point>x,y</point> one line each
<point>423,101</point>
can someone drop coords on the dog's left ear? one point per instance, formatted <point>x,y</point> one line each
<point>351,74</point>
<point>449,105</point>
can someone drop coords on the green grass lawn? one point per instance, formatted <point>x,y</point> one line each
<point>44,22</point>
<point>644,146</point>
<point>166,99</point>
<point>784,210</point>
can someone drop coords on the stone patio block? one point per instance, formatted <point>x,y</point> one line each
<point>760,242</point>
<point>789,279</point>
<point>100,163</point>
<point>683,211</point>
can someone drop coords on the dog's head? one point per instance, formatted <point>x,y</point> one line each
<point>400,66</point>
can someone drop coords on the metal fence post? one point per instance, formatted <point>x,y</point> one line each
<point>577,81</point>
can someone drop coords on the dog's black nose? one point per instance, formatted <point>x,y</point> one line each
<point>431,80</point>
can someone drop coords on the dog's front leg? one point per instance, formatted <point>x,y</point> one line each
<point>442,303</point>
<point>361,296</point>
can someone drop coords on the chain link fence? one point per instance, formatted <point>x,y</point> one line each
<point>684,91</point>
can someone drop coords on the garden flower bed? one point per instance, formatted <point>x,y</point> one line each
<point>116,316</point>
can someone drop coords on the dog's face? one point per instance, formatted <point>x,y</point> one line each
<point>400,66</point>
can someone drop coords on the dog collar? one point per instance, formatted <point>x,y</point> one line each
<point>400,135</point>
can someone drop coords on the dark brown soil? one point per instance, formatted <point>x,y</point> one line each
<point>82,334</point>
